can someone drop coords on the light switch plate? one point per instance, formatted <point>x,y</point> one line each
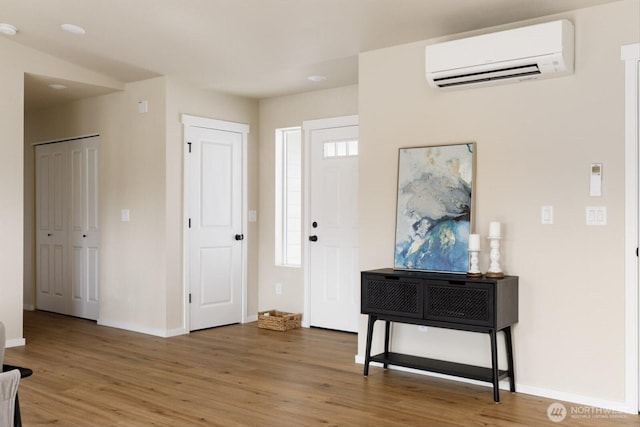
<point>253,216</point>
<point>124,215</point>
<point>596,215</point>
<point>143,106</point>
<point>546,215</point>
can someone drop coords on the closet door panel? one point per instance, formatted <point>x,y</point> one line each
<point>84,233</point>
<point>51,233</point>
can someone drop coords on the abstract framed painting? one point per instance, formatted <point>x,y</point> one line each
<point>435,207</point>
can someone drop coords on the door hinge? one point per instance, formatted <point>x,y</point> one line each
<point>189,298</point>
<point>189,222</point>
<point>636,251</point>
<point>189,144</point>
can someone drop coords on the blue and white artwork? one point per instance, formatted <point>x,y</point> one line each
<point>434,208</point>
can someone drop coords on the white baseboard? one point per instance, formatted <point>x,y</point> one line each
<point>163,333</point>
<point>522,388</point>
<point>16,342</point>
<point>175,332</point>
<point>574,398</point>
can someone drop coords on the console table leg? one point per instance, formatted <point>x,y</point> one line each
<point>387,327</point>
<point>17,418</point>
<point>509,345</point>
<point>494,365</point>
<point>367,355</point>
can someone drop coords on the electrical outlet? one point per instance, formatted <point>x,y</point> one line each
<point>596,215</point>
<point>422,328</point>
<point>278,288</point>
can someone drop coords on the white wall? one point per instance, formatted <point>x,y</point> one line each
<point>535,143</point>
<point>280,112</point>
<point>11,247</point>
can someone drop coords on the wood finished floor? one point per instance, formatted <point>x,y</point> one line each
<point>89,375</point>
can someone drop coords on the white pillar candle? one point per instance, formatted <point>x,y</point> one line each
<point>474,242</point>
<point>494,229</point>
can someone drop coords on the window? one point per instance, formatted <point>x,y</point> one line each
<point>341,148</point>
<point>289,197</point>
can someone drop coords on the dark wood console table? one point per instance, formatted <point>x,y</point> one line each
<point>442,300</point>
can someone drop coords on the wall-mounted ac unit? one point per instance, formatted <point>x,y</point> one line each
<point>534,52</point>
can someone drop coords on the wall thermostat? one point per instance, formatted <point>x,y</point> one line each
<point>595,187</point>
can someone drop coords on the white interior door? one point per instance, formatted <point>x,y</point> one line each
<point>215,266</point>
<point>67,235</point>
<point>334,290</point>
<point>51,228</point>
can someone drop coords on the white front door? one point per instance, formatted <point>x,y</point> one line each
<point>334,284</point>
<point>215,222</point>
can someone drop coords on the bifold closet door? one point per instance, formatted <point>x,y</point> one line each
<point>67,237</point>
<point>83,228</point>
<point>51,228</point>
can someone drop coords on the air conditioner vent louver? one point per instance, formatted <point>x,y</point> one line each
<point>534,52</point>
<point>487,76</point>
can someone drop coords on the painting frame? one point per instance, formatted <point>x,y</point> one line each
<point>435,209</point>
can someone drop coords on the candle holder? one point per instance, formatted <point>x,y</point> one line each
<point>494,270</point>
<point>473,264</point>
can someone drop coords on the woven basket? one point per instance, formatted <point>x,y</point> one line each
<point>278,320</point>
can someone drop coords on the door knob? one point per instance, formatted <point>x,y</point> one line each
<point>239,237</point>
<point>313,238</point>
<point>49,234</point>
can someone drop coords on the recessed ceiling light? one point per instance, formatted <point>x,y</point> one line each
<point>56,86</point>
<point>8,29</point>
<point>73,29</point>
<point>317,79</point>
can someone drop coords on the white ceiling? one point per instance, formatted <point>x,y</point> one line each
<point>253,48</point>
